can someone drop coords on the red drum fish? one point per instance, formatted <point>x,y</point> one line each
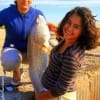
<point>38,44</point>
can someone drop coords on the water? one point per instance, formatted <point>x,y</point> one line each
<point>55,13</point>
<point>54,10</point>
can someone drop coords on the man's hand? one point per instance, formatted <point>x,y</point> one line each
<point>52,27</point>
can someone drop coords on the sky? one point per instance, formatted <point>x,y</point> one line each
<point>54,10</point>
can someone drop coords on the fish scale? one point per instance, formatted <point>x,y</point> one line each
<point>38,57</point>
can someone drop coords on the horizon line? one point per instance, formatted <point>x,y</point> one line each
<point>58,2</point>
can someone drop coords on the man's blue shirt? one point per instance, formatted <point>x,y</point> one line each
<point>17,26</point>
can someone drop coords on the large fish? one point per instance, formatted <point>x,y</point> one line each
<point>38,44</point>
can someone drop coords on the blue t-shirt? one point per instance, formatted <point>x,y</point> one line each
<point>17,26</point>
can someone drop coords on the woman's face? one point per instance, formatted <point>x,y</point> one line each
<point>73,28</point>
<point>23,5</point>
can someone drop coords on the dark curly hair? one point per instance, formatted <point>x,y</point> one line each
<point>89,37</point>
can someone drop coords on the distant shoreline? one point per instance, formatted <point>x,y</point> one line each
<point>97,24</point>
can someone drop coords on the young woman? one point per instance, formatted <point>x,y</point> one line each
<point>78,33</point>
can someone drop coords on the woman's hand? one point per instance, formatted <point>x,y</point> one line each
<point>45,95</point>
